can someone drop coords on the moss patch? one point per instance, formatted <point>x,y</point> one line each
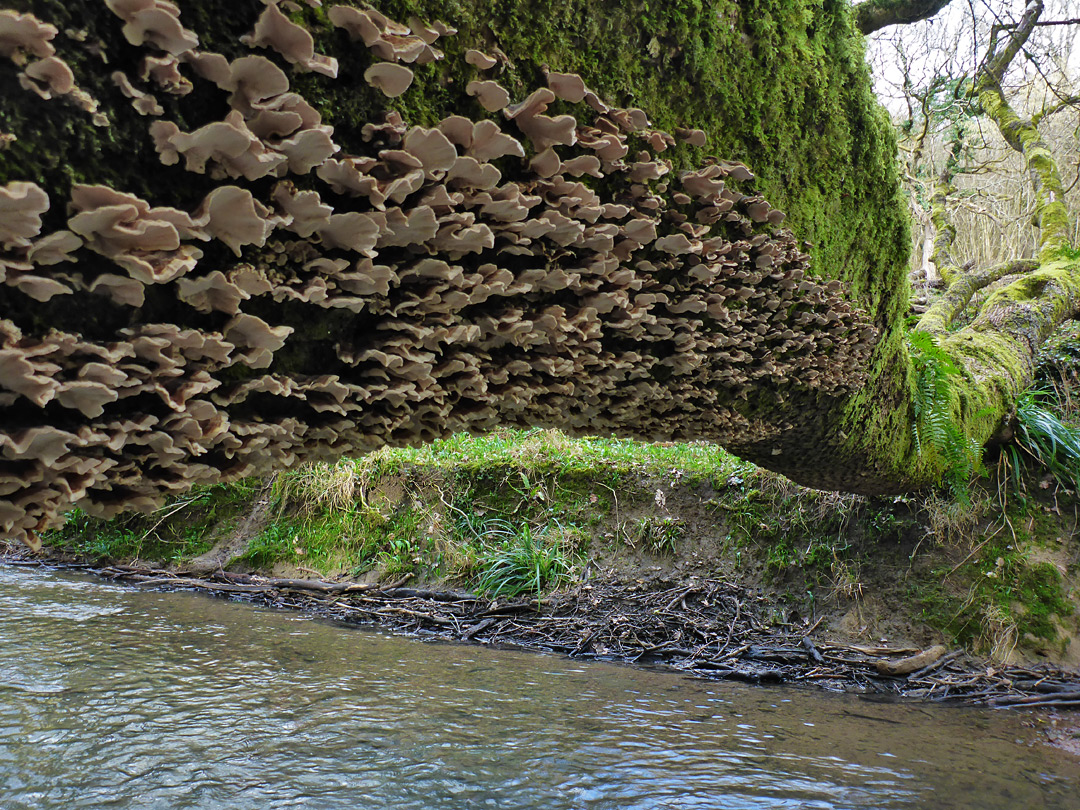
<point>184,528</point>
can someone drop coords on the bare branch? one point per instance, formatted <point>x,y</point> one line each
<point>1074,21</point>
<point>877,14</point>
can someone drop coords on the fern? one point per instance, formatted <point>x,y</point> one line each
<point>936,435</point>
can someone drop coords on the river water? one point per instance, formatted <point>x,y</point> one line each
<point>114,697</point>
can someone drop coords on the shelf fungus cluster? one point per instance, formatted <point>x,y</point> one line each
<point>538,263</point>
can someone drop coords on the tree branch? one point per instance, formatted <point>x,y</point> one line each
<point>1023,136</point>
<point>1064,103</point>
<point>944,230</point>
<point>877,14</point>
<point>997,62</point>
<point>944,311</point>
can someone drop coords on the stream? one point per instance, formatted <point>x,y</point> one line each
<point>113,697</point>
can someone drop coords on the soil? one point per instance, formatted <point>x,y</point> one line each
<point>236,541</point>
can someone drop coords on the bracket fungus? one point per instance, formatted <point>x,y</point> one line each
<point>391,79</point>
<point>24,34</point>
<point>491,95</point>
<point>235,217</point>
<point>48,77</point>
<point>21,207</point>
<point>513,267</point>
<point>156,22</point>
<point>480,59</point>
<point>143,102</point>
<point>274,30</point>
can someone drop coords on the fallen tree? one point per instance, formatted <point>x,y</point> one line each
<point>238,236</point>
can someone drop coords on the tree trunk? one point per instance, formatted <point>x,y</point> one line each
<point>295,274</point>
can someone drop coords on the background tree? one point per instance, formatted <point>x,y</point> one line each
<point>987,108</point>
<point>923,73</point>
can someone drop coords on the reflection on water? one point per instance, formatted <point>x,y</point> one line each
<point>112,697</point>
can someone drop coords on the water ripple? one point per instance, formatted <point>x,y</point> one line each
<point>119,698</point>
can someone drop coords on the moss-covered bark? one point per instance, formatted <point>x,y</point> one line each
<point>778,84</point>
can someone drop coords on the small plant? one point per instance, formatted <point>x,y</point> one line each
<point>400,539</point>
<point>999,632</point>
<point>936,434</point>
<point>528,562</point>
<point>954,521</point>
<point>845,579</point>
<point>781,555</point>
<point>399,554</point>
<point>655,534</point>
<point>1043,436</point>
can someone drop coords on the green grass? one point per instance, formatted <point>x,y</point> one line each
<point>659,534</point>
<point>523,560</point>
<point>549,451</point>
<point>329,533</point>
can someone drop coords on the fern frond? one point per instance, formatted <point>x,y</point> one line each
<point>936,434</point>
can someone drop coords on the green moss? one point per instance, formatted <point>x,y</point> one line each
<point>998,584</point>
<point>1040,600</point>
<point>182,529</point>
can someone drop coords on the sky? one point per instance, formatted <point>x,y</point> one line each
<point>955,40</point>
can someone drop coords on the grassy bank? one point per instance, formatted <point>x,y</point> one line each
<point>995,571</point>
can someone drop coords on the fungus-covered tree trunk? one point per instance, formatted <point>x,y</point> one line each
<point>236,236</point>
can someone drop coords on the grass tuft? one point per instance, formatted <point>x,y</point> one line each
<point>525,561</point>
<point>1045,437</point>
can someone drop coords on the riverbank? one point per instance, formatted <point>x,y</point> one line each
<point>994,572</point>
<point>990,576</point>
<point>706,629</point>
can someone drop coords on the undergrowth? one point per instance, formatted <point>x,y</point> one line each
<point>1046,438</point>
<point>937,436</point>
<point>996,598</point>
<point>181,529</point>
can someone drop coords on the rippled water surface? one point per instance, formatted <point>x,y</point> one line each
<point>111,697</point>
